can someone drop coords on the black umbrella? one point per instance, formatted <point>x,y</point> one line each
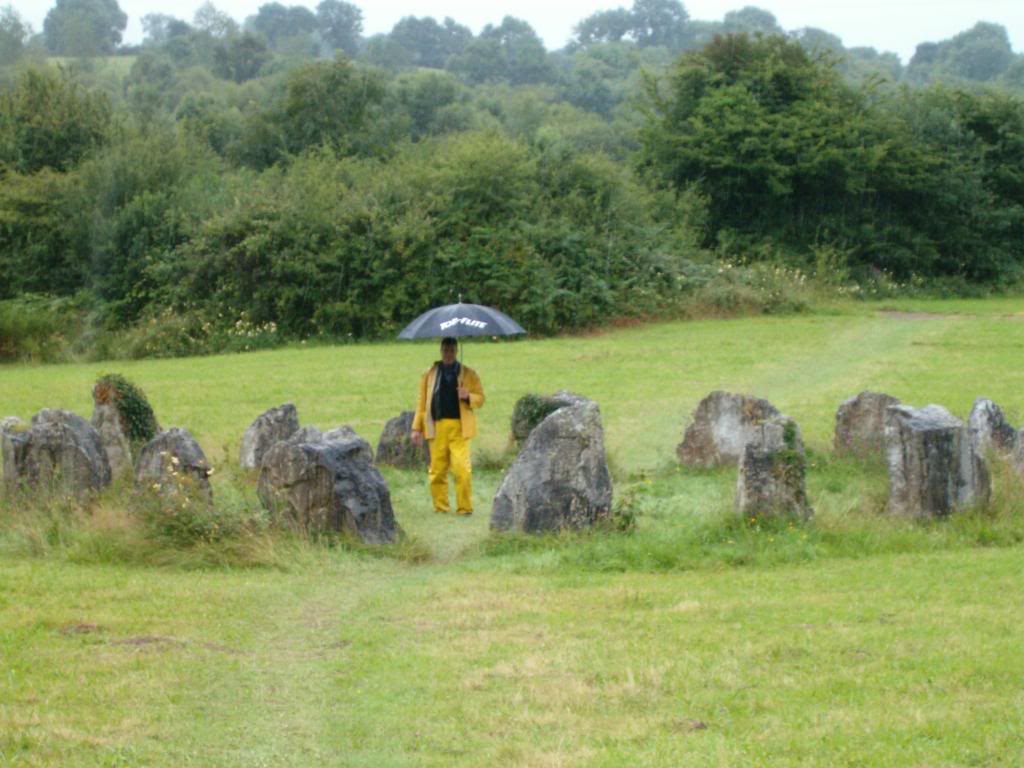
<point>461,320</point>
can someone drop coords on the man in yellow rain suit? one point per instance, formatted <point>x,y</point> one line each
<point>449,394</point>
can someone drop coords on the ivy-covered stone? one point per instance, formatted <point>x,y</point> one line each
<point>137,420</point>
<point>772,472</point>
<point>531,409</point>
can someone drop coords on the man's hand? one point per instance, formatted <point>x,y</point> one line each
<point>416,436</point>
<point>463,394</point>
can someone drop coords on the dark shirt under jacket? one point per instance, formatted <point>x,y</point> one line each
<point>445,403</point>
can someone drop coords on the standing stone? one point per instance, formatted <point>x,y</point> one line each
<point>346,432</point>
<point>329,485</point>
<point>860,425</point>
<point>61,451</point>
<point>303,435</point>
<point>933,468</point>
<point>772,472</point>
<point>396,449</point>
<point>12,424</point>
<point>722,425</point>
<point>269,427</point>
<point>531,409</point>
<point>174,463</point>
<point>106,420</point>
<point>560,478</point>
<point>989,429</point>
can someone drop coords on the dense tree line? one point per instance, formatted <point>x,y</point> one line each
<point>287,177</point>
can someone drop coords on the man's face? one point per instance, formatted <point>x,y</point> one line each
<point>448,353</point>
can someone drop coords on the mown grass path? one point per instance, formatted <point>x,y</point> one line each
<point>907,660</point>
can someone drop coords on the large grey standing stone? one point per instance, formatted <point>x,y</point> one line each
<point>346,432</point>
<point>329,485</point>
<point>560,478</point>
<point>722,425</point>
<point>772,472</point>
<point>171,463</point>
<point>106,420</point>
<point>60,451</point>
<point>933,468</point>
<point>989,430</point>
<point>396,449</point>
<point>269,427</point>
<point>860,425</point>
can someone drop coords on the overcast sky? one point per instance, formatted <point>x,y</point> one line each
<point>888,25</point>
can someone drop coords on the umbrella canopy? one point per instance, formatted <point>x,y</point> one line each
<point>461,320</point>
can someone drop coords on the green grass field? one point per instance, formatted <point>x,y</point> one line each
<point>695,640</point>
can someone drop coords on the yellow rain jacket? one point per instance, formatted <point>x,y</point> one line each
<point>424,422</point>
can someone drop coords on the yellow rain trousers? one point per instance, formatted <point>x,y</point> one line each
<point>450,450</point>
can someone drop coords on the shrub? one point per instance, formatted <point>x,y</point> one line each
<point>35,328</point>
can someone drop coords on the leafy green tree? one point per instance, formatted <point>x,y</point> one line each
<point>149,83</point>
<point>138,201</point>
<point>785,152</point>
<point>510,52</point>
<point>159,28</point>
<point>424,97</point>
<point>428,43</point>
<point>589,85</point>
<point>863,64</point>
<point>37,245</point>
<point>241,57</point>
<point>328,103</point>
<point>207,119</point>
<point>480,62</point>
<point>739,118</point>
<point>660,22</point>
<point>84,27</point>
<point>48,121</point>
<point>981,53</point>
<point>647,23</point>
<point>340,25</point>
<point>383,52</point>
<point>1013,77</point>
<point>752,21</point>
<point>818,41</point>
<point>214,22</point>
<point>604,27</point>
<point>522,51</point>
<point>277,22</point>
<point>14,33</point>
